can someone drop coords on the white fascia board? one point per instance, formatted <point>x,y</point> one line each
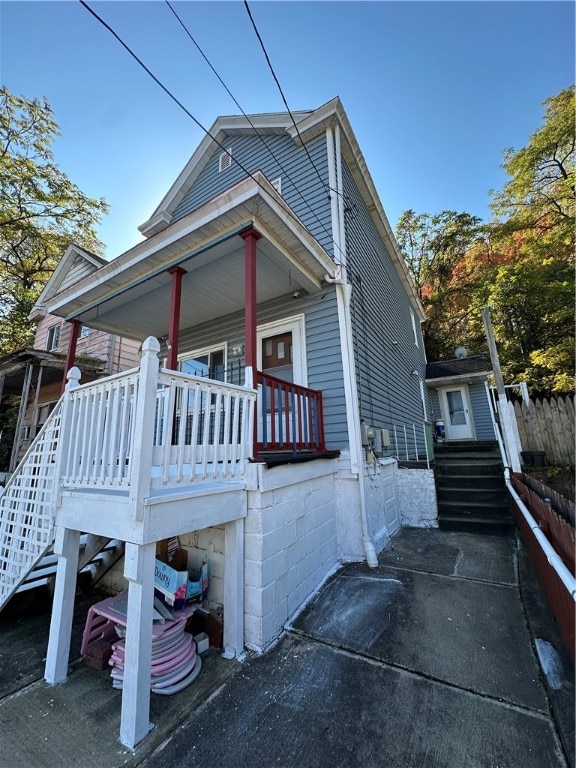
<point>231,198</point>
<point>198,161</point>
<point>375,206</point>
<point>228,200</point>
<point>446,381</point>
<point>278,206</point>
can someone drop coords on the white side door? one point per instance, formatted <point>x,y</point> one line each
<point>456,412</point>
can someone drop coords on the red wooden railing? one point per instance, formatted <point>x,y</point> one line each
<point>288,417</point>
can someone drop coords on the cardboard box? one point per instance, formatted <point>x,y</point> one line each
<point>178,587</point>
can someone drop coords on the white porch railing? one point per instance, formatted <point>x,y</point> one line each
<point>203,430</point>
<point>99,420</point>
<point>187,428</point>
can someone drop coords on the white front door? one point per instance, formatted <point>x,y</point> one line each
<point>456,412</point>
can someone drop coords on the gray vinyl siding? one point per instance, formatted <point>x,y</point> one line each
<point>384,343</point>
<point>302,187</point>
<point>324,361</point>
<point>481,412</point>
<point>435,402</point>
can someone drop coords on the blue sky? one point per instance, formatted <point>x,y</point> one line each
<point>435,91</point>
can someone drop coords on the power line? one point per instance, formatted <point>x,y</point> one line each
<point>265,52</point>
<point>258,134</point>
<point>169,93</point>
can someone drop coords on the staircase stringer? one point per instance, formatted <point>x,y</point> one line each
<point>28,508</point>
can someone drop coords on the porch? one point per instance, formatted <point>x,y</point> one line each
<point>139,457</point>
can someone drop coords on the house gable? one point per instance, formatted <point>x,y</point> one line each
<point>214,143</point>
<point>76,264</point>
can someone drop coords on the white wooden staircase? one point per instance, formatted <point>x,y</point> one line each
<point>27,515</point>
<point>27,510</point>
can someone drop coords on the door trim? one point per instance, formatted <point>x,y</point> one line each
<point>296,325</point>
<point>467,405</point>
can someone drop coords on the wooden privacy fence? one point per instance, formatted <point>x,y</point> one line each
<point>548,425</point>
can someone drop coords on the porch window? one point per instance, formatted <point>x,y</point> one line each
<point>83,332</point>
<point>53,338</point>
<point>208,363</point>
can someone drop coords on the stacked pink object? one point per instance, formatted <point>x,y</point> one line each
<point>175,662</point>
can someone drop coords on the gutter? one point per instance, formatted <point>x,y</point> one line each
<point>343,291</point>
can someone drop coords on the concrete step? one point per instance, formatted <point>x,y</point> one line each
<point>476,446</point>
<point>474,524</point>
<point>468,467</point>
<point>464,495</point>
<point>466,480</point>
<point>499,507</point>
<point>466,456</point>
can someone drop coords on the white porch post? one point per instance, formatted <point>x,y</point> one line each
<point>144,426</point>
<point>67,548</point>
<point>135,716</point>
<point>234,589</point>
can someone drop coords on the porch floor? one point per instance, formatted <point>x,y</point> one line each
<point>276,458</point>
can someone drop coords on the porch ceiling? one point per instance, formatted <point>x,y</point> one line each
<point>131,295</point>
<point>212,287</point>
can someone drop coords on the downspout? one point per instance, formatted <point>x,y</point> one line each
<point>343,293</point>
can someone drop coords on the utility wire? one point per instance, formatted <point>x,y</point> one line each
<point>259,135</point>
<point>169,93</point>
<point>265,52</point>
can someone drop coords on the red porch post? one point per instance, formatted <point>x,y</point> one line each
<point>250,355</point>
<point>174,328</point>
<point>71,355</point>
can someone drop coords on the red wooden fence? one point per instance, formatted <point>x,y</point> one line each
<point>560,534</point>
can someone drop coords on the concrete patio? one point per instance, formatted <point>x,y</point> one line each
<point>445,655</point>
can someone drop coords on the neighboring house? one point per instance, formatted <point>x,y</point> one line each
<point>31,380</point>
<point>461,398</point>
<point>291,357</point>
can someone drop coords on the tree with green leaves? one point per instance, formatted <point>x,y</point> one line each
<point>534,295</point>
<point>434,247</point>
<point>42,212</point>
<point>539,196</point>
<point>521,265</point>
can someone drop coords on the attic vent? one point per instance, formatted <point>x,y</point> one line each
<point>225,160</point>
<point>277,184</point>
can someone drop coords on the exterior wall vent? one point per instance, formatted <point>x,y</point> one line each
<point>225,160</point>
<point>277,184</point>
